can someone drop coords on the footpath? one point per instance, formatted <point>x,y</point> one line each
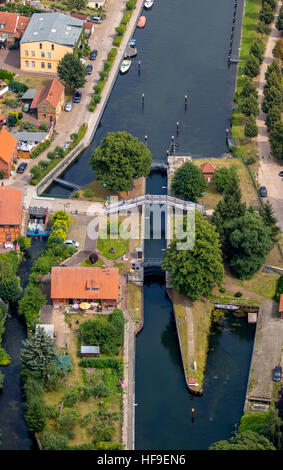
<point>269,167</point>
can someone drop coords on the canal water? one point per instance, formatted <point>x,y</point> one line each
<point>13,429</point>
<point>183,50</point>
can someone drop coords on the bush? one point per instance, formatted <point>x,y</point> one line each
<point>4,358</point>
<point>238,294</point>
<point>40,148</point>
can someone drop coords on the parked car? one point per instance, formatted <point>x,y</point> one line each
<point>263,191</point>
<point>68,106</point>
<point>72,242</point>
<point>89,69</point>
<point>93,54</point>
<point>277,373</point>
<point>96,19</point>
<point>281,173</point>
<point>26,107</point>
<point>77,97</point>
<point>21,168</point>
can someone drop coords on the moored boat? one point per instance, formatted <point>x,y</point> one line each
<point>132,43</point>
<point>141,22</point>
<point>125,66</point>
<point>148,4</point>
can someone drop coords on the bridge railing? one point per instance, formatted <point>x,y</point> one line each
<point>152,199</point>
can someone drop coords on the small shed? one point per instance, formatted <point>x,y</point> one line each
<point>90,351</point>
<point>29,95</point>
<point>48,329</point>
<point>281,306</point>
<point>208,169</point>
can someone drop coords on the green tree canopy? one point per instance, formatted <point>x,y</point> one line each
<point>188,182</point>
<point>39,352</point>
<point>71,71</point>
<point>247,242</point>
<point>119,159</point>
<point>247,440</point>
<point>250,106</point>
<point>10,289</point>
<point>267,213</point>
<point>257,49</point>
<point>194,272</point>
<point>224,177</point>
<point>249,88</point>
<point>273,117</point>
<point>31,303</point>
<point>251,129</point>
<point>272,97</point>
<point>276,140</point>
<point>252,66</point>
<point>100,333</point>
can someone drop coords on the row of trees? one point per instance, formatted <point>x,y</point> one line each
<point>272,105</point>
<point>246,236</point>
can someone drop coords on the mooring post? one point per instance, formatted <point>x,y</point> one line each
<point>177,127</point>
<point>145,138</point>
<point>139,67</point>
<point>186,102</point>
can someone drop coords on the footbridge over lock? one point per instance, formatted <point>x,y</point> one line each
<point>147,199</point>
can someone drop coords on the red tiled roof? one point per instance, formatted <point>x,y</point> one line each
<point>76,283</point>
<point>8,144</point>
<point>88,25</point>
<point>79,16</point>
<point>10,206</point>
<point>208,167</point>
<point>281,303</point>
<point>9,20</point>
<point>23,21</point>
<point>52,93</point>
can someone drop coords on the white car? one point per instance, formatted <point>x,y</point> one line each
<point>72,242</point>
<point>68,106</point>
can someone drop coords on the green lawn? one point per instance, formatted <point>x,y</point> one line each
<point>87,264</point>
<point>120,246</point>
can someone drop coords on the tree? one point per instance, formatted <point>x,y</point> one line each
<point>267,213</point>
<point>272,80</point>
<point>266,14</point>
<point>257,49</point>
<point>188,182</point>
<point>61,215</point>
<point>224,177</point>
<point>35,414</point>
<point>54,441</point>
<point>279,23</point>
<point>273,67</point>
<point>100,333</point>
<point>39,353</point>
<point>276,140</point>
<point>10,289</point>
<point>71,71</point>
<point>77,4</point>
<point>251,129</point>
<point>193,272</point>
<point>119,159</point>
<point>31,303</point>
<point>249,88</point>
<point>273,117</point>
<point>228,208</point>
<point>24,242</point>
<point>272,97</point>
<point>252,67</point>
<point>247,440</point>
<point>250,106</point>
<point>247,242</point>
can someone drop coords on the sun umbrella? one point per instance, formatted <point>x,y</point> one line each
<point>84,305</point>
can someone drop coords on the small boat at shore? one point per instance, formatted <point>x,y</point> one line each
<point>130,52</point>
<point>126,64</point>
<point>132,43</point>
<point>141,22</point>
<point>148,4</point>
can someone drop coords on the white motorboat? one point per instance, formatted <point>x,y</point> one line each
<point>126,64</point>
<point>148,4</point>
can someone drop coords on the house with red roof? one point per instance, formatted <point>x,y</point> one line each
<point>76,285</point>
<point>12,27</point>
<point>10,214</point>
<point>8,151</point>
<point>49,101</point>
<point>208,169</point>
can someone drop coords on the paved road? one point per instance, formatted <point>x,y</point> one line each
<point>269,167</point>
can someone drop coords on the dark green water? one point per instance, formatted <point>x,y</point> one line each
<point>183,50</point>
<point>13,428</point>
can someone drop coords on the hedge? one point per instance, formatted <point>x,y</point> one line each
<point>102,363</point>
<point>40,148</point>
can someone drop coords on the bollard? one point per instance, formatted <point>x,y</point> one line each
<point>177,127</point>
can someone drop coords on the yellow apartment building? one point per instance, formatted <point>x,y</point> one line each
<point>48,37</point>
